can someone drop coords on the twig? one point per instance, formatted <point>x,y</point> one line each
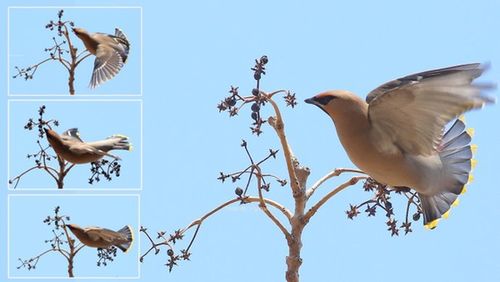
<point>279,127</point>
<point>57,53</point>
<point>332,193</point>
<point>263,206</point>
<point>179,234</point>
<point>335,172</point>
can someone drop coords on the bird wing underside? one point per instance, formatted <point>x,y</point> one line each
<point>107,64</point>
<point>409,114</point>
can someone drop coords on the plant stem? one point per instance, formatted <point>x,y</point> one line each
<point>298,177</point>
<point>61,174</point>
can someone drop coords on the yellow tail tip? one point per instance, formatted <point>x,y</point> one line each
<point>471,178</point>
<point>462,118</point>
<point>431,225</point>
<point>473,163</point>
<point>434,223</point>
<point>464,190</point>
<point>473,148</point>
<point>470,131</point>
<point>447,214</point>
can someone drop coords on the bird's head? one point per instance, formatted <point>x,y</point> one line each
<point>79,31</point>
<point>336,103</point>
<point>73,227</point>
<point>51,134</point>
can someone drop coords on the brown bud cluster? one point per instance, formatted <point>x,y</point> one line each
<point>382,200</point>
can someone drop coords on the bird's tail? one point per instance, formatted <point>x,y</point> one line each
<point>119,33</point>
<point>124,44</point>
<point>456,154</point>
<point>129,234</point>
<point>115,142</point>
<point>120,142</point>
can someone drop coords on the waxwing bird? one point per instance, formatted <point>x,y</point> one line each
<point>97,237</point>
<point>71,147</point>
<point>397,136</point>
<point>111,53</point>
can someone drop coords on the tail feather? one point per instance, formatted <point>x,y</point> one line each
<point>461,140</point>
<point>456,155</point>
<point>121,143</point>
<point>115,142</point>
<point>129,234</point>
<point>458,169</point>
<point>455,130</point>
<point>119,33</point>
<point>124,44</point>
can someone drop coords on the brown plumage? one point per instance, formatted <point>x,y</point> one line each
<point>71,148</point>
<point>97,237</point>
<point>111,52</point>
<point>397,138</point>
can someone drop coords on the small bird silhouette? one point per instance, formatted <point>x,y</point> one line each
<point>111,52</point>
<point>97,237</point>
<point>71,148</point>
<point>397,135</point>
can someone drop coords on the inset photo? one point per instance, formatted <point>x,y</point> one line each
<point>74,51</point>
<point>65,236</point>
<point>75,144</point>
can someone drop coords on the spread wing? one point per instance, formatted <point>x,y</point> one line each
<point>408,114</point>
<point>71,134</point>
<point>107,64</point>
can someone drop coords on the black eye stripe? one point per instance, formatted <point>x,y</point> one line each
<point>323,100</point>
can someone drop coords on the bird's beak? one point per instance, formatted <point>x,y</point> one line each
<point>310,101</point>
<point>46,130</point>
<point>313,101</point>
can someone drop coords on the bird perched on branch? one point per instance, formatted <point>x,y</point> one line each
<point>111,52</point>
<point>71,148</point>
<point>97,237</point>
<point>397,136</point>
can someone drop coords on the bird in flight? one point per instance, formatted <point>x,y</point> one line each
<point>70,147</point>
<point>97,237</point>
<point>398,135</point>
<point>111,53</point>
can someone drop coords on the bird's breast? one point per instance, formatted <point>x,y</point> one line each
<point>394,169</point>
<point>398,169</point>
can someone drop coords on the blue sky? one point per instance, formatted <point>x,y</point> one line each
<point>193,52</point>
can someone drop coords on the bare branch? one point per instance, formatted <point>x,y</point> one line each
<point>263,206</point>
<point>312,211</point>
<point>58,51</point>
<point>279,127</point>
<point>335,172</point>
<point>179,234</point>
